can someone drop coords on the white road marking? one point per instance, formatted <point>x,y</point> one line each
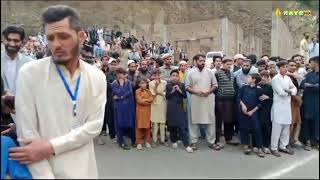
<point>276,174</point>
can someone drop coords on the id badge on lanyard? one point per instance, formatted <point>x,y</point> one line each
<point>73,95</point>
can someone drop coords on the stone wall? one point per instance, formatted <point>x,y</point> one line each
<point>281,39</point>
<point>213,35</point>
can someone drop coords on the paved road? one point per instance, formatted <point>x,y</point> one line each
<point>164,162</point>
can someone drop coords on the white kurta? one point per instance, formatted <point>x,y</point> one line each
<point>44,110</point>
<point>202,108</point>
<point>304,50</point>
<point>281,107</point>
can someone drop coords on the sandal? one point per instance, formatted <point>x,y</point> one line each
<point>247,150</point>
<point>260,153</point>
<point>287,151</point>
<point>216,147</point>
<point>307,147</point>
<point>221,146</point>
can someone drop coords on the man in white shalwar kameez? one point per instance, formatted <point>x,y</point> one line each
<point>304,48</point>
<point>201,83</point>
<point>281,117</point>
<point>55,123</point>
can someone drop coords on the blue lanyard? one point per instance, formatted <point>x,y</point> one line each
<point>74,95</point>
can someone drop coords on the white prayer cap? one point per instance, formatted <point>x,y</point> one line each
<point>165,56</point>
<point>112,60</point>
<point>272,63</point>
<point>239,56</point>
<point>182,62</point>
<point>130,61</point>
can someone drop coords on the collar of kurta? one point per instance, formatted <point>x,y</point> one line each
<point>7,57</point>
<point>78,70</point>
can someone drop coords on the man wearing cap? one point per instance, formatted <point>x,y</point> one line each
<point>238,59</point>
<point>182,70</point>
<point>167,68</point>
<point>132,72</point>
<point>265,57</point>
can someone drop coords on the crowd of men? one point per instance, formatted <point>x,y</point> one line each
<point>54,107</point>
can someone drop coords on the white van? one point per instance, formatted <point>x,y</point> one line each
<point>209,57</point>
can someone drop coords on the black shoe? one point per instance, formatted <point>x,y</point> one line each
<point>134,145</point>
<point>193,146</point>
<point>275,153</point>
<point>287,150</point>
<point>125,147</point>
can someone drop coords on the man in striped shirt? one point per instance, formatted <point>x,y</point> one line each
<point>225,99</point>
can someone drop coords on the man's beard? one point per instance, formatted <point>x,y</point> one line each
<point>143,70</point>
<point>131,72</point>
<point>12,49</point>
<point>200,66</point>
<point>75,53</point>
<point>246,71</point>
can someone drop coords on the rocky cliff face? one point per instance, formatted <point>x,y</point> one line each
<point>253,16</point>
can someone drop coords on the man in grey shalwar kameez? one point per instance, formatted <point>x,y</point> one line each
<point>201,83</point>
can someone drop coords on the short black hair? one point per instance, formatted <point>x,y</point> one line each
<point>256,77</point>
<point>159,61</point>
<point>120,70</point>
<point>275,58</point>
<point>155,71</point>
<point>261,63</point>
<point>253,58</point>
<point>59,12</point>
<point>216,57</point>
<point>141,80</point>
<point>225,60</point>
<point>314,59</point>
<point>265,73</point>
<point>291,60</point>
<point>305,33</point>
<point>14,30</point>
<point>197,57</point>
<point>265,55</point>
<point>174,71</point>
<point>40,54</point>
<point>104,57</point>
<point>282,63</point>
<point>296,55</point>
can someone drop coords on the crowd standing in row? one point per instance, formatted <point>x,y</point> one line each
<point>274,101</point>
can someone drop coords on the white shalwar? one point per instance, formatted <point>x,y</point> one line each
<point>281,110</point>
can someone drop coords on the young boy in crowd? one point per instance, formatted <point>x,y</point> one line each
<point>176,117</point>
<point>158,107</point>
<point>143,114</point>
<point>265,110</point>
<point>123,108</point>
<point>249,122</point>
<point>281,116</point>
